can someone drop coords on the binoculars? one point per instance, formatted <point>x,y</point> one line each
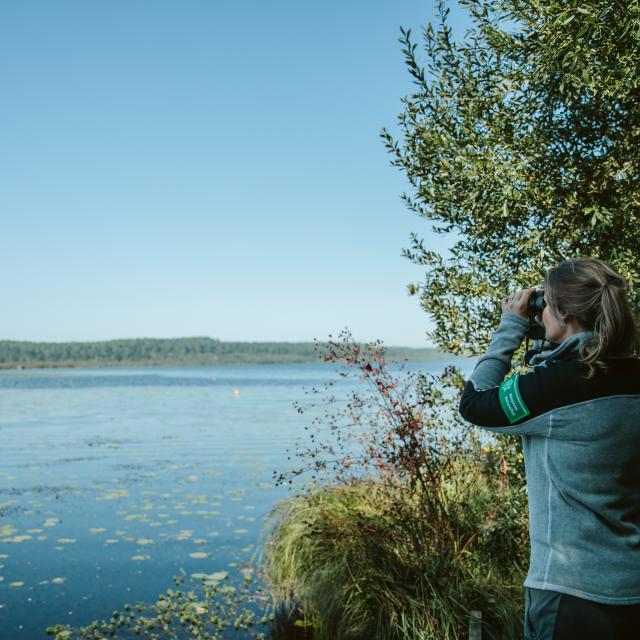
<point>534,310</point>
<point>536,330</point>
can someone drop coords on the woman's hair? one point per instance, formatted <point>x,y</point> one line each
<point>594,294</point>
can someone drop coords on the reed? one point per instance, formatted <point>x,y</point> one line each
<point>372,559</point>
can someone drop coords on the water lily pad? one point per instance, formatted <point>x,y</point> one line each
<point>199,554</point>
<point>114,495</point>
<point>66,540</point>
<point>58,580</point>
<point>17,539</point>
<point>240,531</point>
<point>140,557</point>
<point>15,585</point>
<point>51,522</point>
<point>144,541</point>
<point>7,530</point>
<point>218,575</point>
<point>97,530</point>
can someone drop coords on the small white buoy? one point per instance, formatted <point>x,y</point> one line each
<point>236,392</point>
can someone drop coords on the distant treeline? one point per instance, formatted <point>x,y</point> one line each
<point>155,351</point>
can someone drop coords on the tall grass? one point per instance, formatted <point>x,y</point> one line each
<point>423,525</point>
<point>365,560</point>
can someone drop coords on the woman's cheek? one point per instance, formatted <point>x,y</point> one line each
<point>548,326</point>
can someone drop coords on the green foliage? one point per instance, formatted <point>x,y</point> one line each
<point>206,608</point>
<point>368,559</point>
<point>422,521</point>
<point>525,141</point>
<point>154,351</point>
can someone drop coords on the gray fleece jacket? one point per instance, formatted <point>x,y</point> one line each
<point>581,441</point>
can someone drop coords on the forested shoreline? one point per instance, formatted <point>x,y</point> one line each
<point>170,351</point>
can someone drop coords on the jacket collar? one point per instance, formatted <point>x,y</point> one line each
<point>568,348</point>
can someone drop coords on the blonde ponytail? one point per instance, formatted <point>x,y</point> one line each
<point>594,294</point>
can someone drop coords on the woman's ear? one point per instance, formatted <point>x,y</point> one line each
<point>568,319</point>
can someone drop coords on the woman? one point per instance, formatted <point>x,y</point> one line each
<point>578,412</point>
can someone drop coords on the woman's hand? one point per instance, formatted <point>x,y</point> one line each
<point>517,302</point>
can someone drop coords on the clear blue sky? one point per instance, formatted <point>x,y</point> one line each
<point>205,168</point>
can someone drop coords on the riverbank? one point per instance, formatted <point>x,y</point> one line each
<point>144,352</point>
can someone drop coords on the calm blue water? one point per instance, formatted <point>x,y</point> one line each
<point>113,480</point>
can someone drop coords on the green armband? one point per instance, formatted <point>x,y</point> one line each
<point>511,401</point>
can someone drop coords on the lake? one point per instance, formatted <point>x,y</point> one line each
<point>114,480</point>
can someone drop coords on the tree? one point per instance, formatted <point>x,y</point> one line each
<point>525,140</point>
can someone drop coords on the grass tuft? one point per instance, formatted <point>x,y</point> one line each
<point>374,559</point>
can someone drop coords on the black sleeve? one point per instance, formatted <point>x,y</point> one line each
<point>482,408</point>
<point>527,396</point>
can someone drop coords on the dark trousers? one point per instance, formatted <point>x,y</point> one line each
<point>549,615</point>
